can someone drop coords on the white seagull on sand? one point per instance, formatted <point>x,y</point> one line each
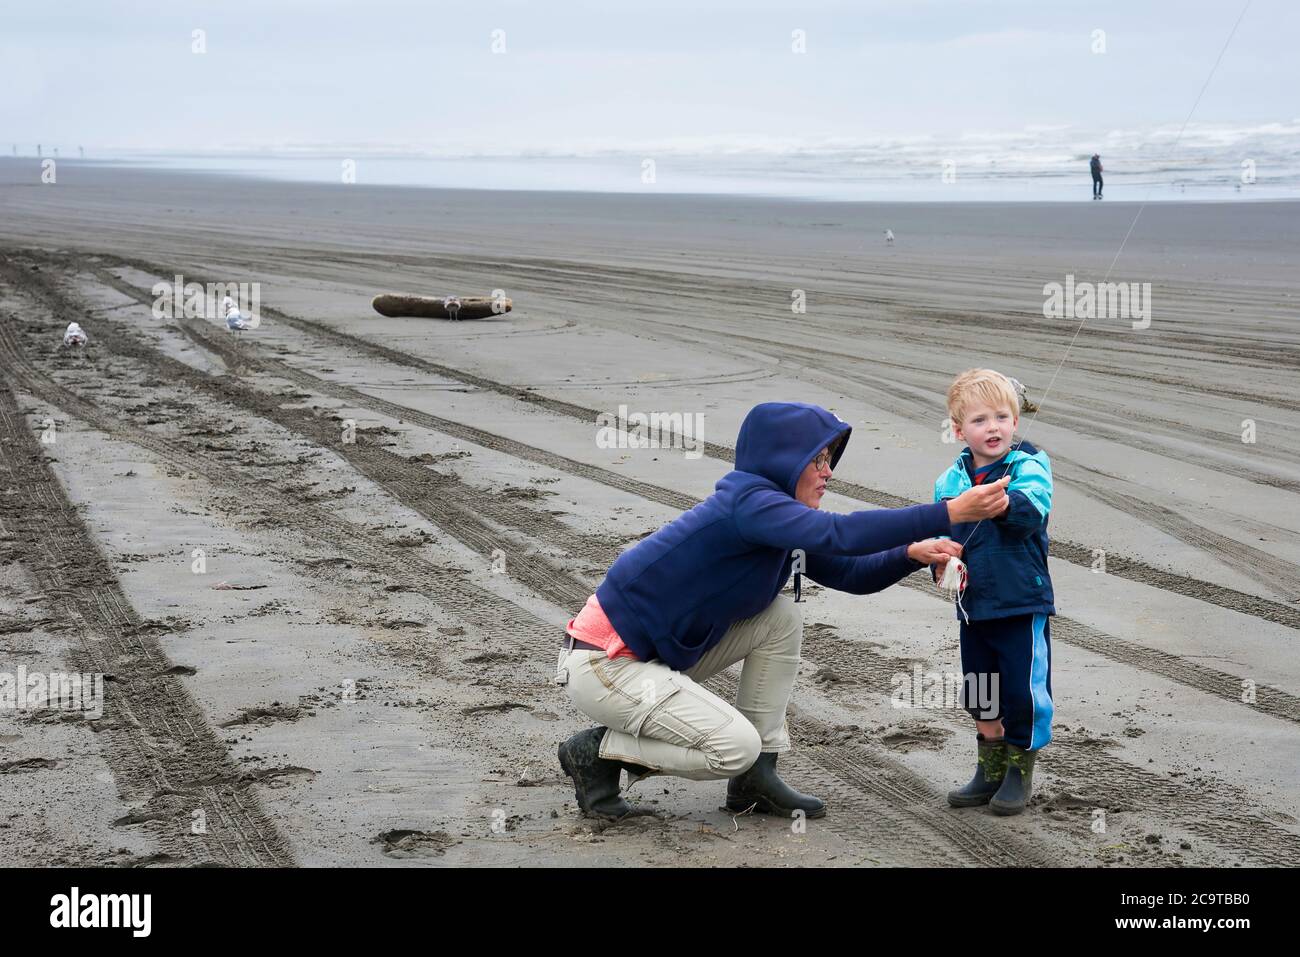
<point>75,335</point>
<point>1023,394</point>
<point>236,321</point>
<point>889,237</point>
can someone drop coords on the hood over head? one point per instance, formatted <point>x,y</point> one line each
<point>778,439</point>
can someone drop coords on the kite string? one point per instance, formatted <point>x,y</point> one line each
<point>1124,242</point>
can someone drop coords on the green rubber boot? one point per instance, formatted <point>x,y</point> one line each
<point>1016,787</point>
<point>990,769</point>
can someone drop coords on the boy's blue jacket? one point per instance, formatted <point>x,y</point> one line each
<point>1007,556</point>
<point>673,595</point>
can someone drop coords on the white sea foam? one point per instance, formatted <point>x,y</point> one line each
<point>1042,162</point>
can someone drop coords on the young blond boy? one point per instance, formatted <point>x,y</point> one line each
<point>1005,607</point>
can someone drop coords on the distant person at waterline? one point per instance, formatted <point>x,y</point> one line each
<point>1094,165</point>
<point>704,592</point>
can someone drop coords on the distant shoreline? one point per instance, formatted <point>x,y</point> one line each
<point>164,212</point>
<point>605,176</point>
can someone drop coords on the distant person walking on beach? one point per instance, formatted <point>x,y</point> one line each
<point>1094,165</point>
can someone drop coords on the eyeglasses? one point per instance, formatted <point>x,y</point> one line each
<point>822,461</point>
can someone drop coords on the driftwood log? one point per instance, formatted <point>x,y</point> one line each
<point>440,307</point>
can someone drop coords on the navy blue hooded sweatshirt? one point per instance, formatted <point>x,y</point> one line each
<point>673,595</point>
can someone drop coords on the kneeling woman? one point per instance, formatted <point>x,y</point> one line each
<point>702,593</point>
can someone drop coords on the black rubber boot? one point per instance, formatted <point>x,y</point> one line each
<point>761,789</point>
<point>990,769</point>
<point>595,779</point>
<point>1016,787</point>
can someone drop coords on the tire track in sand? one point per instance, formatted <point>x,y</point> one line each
<point>1223,816</point>
<point>153,735</point>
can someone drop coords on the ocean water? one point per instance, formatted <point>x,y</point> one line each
<point>1203,163</point>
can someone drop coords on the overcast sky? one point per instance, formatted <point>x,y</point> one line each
<point>121,73</point>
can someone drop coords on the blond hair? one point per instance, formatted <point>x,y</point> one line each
<point>975,386</point>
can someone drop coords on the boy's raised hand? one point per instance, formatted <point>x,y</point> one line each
<point>980,502</point>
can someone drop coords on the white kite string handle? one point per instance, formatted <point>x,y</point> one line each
<point>954,582</point>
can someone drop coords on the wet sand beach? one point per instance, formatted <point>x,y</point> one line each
<point>404,513</point>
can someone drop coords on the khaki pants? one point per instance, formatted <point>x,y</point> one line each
<point>665,720</point>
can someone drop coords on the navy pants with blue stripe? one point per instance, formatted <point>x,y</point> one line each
<point>1018,650</point>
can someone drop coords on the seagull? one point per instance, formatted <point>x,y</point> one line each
<point>75,335</point>
<point>1023,394</point>
<point>889,237</point>
<point>452,305</point>
<point>236,321</point>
